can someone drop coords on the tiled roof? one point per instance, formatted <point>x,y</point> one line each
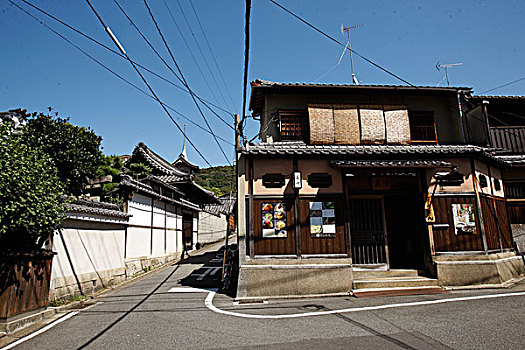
<point>267,83</point>
<point>225,207</point>
<point>292,148</point>
<point>426,163</point>
<point>96,208</point>
<point>171,178</point>
<point>127,181</point>
<point>502,97</point>
<point>157,162</point>
<point>514,160</point>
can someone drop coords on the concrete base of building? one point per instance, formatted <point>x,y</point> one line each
<point>140,264</point>
<point>259,279</point>
<point>478,269</point>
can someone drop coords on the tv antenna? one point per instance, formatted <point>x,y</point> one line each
<point>347,30</point>
<point>446,67</point>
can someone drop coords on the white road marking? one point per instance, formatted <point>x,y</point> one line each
<point>190,290</point>
<point>209,304</point>
<point>213,270</point>
<point>40,331</point>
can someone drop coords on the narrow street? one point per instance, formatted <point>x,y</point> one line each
<point>176,309</point>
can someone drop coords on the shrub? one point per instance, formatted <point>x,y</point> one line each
<point>30,195</point>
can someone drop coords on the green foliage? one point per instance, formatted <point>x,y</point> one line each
<point>30,193</point>
<point>138,170</point>
<point>74,150</point>
<point>110,165</point>
<point>217,179</point>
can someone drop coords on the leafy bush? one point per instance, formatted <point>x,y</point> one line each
<point>30,192</point>
<point>74,150</point>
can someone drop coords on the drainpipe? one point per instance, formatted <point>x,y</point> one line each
<point>460,106</point>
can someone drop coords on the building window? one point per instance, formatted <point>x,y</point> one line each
<point>483,181</point>
<point>422,127</point>
<point>294,125</point>
<point>320,180</point>
<point>273,180</point>
<point>497,185</point>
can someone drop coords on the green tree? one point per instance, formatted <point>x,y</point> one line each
<point>74,150</point>
<point>138,170</point>
<point>29,195</point>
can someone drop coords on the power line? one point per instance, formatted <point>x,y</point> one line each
<point>151,90</point>
<point>340,43</point>
<point>184,79</point>
<point>212,54</point>
<point>190,51</point>
<point>112,71</point>
<point>205,102</point>
<point>200,51</point>
<point>501,86</point>
<point>165,63</point>
<point>246,59</point>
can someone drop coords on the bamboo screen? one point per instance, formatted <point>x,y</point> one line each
<point>397,125</point>
<point>372,124</point>
<point>346,122</point>
<point>321,124</point>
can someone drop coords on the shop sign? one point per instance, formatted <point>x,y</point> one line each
<point>274,220</point>
<point>464,219</point>
<point>322,219</point>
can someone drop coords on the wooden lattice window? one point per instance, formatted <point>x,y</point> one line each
<point>294,125</point>
<point>422,127</point>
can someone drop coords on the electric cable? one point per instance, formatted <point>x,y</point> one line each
<point>204,101</point>
<point>184,79</point>
<point>212,54</point>
<point>502,86</point>
<point>151,89</point>
<point>164,61</point>
<point>112,71</point>
<point>200,51</point>
<point>340,43</point>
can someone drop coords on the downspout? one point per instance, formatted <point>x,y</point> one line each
<point>460,106</point>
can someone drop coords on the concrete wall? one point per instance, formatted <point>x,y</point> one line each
<point>211,227</point>
<point>90,256</point>
<point>518,233</point>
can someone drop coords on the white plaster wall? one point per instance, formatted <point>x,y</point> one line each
<point>138,242</point>
<point>158,242</point>
<point>211,227</point>
<point>140,209</point>
<point>92,247</point>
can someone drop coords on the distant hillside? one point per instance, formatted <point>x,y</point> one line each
<point>217,179</point>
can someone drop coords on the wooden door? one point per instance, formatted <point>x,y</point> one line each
<point>187,231</point>
<point>367,230</point>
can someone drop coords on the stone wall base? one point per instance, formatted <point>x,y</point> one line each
<point>137,265</point>
<point>258,281</point>
<point>472,270</point>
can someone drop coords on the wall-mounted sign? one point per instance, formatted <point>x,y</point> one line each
<point>464,218</point>
<point>274,220</point>
<point>297,180</point>
<point>322,219</point>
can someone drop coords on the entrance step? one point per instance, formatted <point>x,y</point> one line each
<point>390,292</point>
<point>394,282</point>
<point>367,274</point>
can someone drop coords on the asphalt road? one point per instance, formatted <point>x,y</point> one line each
<point>147,315</point>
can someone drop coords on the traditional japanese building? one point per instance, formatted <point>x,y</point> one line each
<point>362,187</point>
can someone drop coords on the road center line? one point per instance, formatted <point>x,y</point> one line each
<point>209,304</point>
<point>40,331</point>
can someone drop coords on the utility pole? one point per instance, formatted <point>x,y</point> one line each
<point>347,30</point>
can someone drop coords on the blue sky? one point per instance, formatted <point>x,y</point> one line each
<point>38,69</point>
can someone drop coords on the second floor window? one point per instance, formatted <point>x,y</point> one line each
<point>422,127</point>
<point>294,125</point>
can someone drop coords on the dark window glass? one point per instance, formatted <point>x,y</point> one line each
<point>273,180</point>
<point>497,185</point>
<point>320,180</point>
<point>422,126</point>
<point>483,181</point>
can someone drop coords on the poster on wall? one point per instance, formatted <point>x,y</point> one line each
<point>322,219</point>
<point>274,220</point>
<point>464,219</point>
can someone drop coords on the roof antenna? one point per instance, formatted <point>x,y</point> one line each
<point>446,67</point>
<point>347,30</point>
